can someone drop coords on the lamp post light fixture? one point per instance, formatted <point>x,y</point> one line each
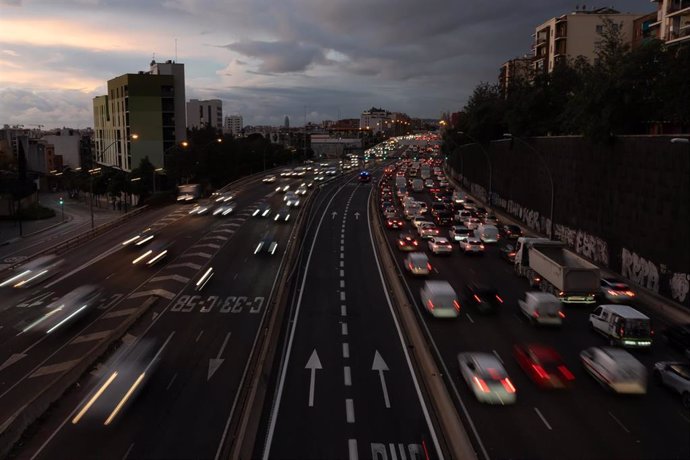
<point>548,170</point>
<point>92,172</point>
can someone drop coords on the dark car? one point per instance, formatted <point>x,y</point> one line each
<point>481,212</point>
<point>437,207</point>
<point>679,336</point>
<point>386,205</point>
<point>407,242</point>
<point>510,231</point>
<point>443,218</point>
<point>483,297</point>
<point>507,253</point>
<point>395,223</point>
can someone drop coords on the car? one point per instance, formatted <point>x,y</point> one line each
<point>286,173</point>
<point>390,212</point>
<point>458,232</point>
<point>65,310</point>
<point>269,179</point>
<point>439,299</point>
<point>418,219</point>
<point>224,210</point>
<point>487,378</point>
<point>200,210</point>
<point>438,207</point>
<point>428,183</point>
<point>223,197</point>
<point>676,376</point>
<point>282,215</point>
<point>484,298</point>
<point>473,223</point>
<point>615,291</point>
<point>319,178</point>
<point>616,369</point>
<point>543,365</point>
<point>507,253</point>
<point>152,254</point>
<point>395,222</point>
<point>139,239</point>
<point>481,212</point>
<point>443,218</point>
<point>471,245</point>
<point>427,230</point>
<point>35,271</point>
<point>491,219</point>
<point>267,245</point>
<point>291,199</point>
<point>510,231</point>
<point>262,210</point>
<point>440,245</point>
<point>462,215</point>
<point>301,190</point>
<point>417,263</point>
<point>386,204</point>
<point>678,336</point>
<point>407,242</point>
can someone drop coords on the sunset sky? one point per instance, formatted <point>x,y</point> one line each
<point>264,58</point>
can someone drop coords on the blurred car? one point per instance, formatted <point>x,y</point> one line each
<point>390,212</point>
<point>262,210</point>
<point>510,231</point>
<point>543,365</point>
<point>224,210</point>
<point>483,297</point>
<point>487,378</point>
<point>395,222</point>
<point>34,272</point>
<point>471,245</point>
<point>457,232</point>
<point>267,245</point>
<point>616,369</point>
<point>66,310</point>
<point>417,263</point>
<point>301,190</point>
<point>407,242</point>
<point>282,188</point>
<point>472,223</point>
<point>282,215</point>
<point>437,208</point>
<point>491,219</point>
<point>678,336</point>
<point>428,183</point>
<point>417,220</point>
<point>140,238</point>
<point>443,218</point>
<point>481,212</point>
<point>291,199</point>
<point>615,291</point>
<point>200,210</point>
<point>440,245</point>
<point>154,253</point>
<point>223,197</point>
<point>439,299</point>
<point>269,179</point>
<point>507,253</point>
<point>427,230</point>
<point>676,376</point>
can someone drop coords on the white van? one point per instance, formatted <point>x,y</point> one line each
<point>487,233</point>
<point>542,308</point>
<point>417,185</point>
<point>439,299</point>
<point>622,325</point>
<point>615,368</point>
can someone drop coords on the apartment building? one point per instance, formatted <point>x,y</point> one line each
<point>514,69</point>
<point>375,120</point>
<point>233,125</point>
<point>143,115</point>
<point>672,23</point>
<point>576,34</point>
<point>202,114</point>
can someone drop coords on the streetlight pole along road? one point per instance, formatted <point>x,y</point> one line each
<point>488,161</point>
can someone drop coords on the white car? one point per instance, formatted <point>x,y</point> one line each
<point>269,179</point>
<point>200,210</point>
<point>675,375</point>
<point>471,245</point>
<point>282,215</point>
<point>440,245</point>
<point>427,230</point>
<point>487,378</point>
<point>457,232</point>
<point>472,223</point>
<point>616,369</point>
<point>301,190</point>
<point>417,263</point>
<point>224,197</point>
<point>224,210</point>
<point>262,210</point>
<point>418,220</point>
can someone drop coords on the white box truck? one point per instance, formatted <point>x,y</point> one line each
<point>551,267</point>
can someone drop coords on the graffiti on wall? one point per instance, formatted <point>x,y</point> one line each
<point>528,216</point>
<point>585,244</point>
<point>639,270</point>
<point>680,285</point>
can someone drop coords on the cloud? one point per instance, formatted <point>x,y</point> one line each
<point>49,108</point>
<point>280,56</point>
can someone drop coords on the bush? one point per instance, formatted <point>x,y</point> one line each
<point>36,212</point>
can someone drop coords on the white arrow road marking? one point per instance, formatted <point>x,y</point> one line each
<point>333,214</point>
<point>214,363</point>
<point>186,265</point>
<point>200,254</point>
<point>313,364</point>
<point>159,292</point>
<point>181,279</point>
<point>356,215</point>
<point>380,366</point>
<point>12,359</point>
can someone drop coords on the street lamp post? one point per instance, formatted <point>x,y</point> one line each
<point>548,170</point>
<point>488,161</point>
<point>92,172</point>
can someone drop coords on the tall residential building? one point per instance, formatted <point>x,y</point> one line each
<point>375,120</point>
<point>66,143</point>
<point>515,69</point>
<point>201,114</point>
<point>150,105</point>
<point>233,124</point>
<point>575,34</point>
<point>672,23</point>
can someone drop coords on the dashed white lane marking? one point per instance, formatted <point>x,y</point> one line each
<point>90,337</point>
<point>497,356</point>
<point>543,419</point>
<point>118,313</point>
<point>342,255</point>
<point>342,263</point>
<point>171,381</point>
<point>619,423</point>
<point>186,265</point>
<point>199,336</point>
<point>347,376</point>
<point>352,449</point>
<point>349,411</point>
<point>342,241</point>
<point>469,317</point>
<point>343,328</point>
<point>342,248</point>
<point>346,350</point>
<point>342,273</point>
<point>343,310</point>
<point>342,296</point>
<point>342,283</point>
<point>131,446</point>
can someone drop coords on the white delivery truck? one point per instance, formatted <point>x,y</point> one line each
<point>551,267</point>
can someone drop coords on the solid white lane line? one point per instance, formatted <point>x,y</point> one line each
<point>543,419</point>
<point>199,336</point>
<point>343,328</point>
<point>343,310</point>
<point>131,446</point>
<point>497,356</point>
<point>352,449</point>
<point>346,350</point>
<point>349,411</point>
<point>171,381</point>
<point>347,376</point>
<point>619,423</point>
<point>469,317</point>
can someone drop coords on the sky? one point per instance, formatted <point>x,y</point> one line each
<point>311,60</point>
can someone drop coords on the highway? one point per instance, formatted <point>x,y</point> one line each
<point>344,372</point>
<point>586,421</point>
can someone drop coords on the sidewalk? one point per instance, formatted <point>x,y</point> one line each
<point>76,214</point>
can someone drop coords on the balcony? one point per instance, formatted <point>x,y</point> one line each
<point>678,7</point>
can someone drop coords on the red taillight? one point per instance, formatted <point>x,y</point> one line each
<point>431,304</point>
<point>415,243</point>
<point>402,243</point>
<point>508,385</point>
<point>476,297</point>
<point>536,314</point>
<point>561,314</point>
<point>511,254</point>
<point>540,371</point>
<point>481,384</point>
<point>481,246</point>
<point>456,305</point>
<point>428,266</point>
<point>411,266</point>
<point>566,372</point>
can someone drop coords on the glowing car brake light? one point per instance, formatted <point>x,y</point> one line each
<point>499,298</point>
<point>540,371</point>
<point>456,305</point>
<point>508,385</point>
<point>481,384</point>
<point>566,372</point>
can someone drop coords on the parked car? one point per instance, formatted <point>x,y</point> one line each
<point>676,376</point>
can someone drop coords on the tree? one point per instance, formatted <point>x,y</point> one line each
<point>484,110</point>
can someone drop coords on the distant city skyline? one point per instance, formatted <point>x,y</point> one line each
<point>264,60</point>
